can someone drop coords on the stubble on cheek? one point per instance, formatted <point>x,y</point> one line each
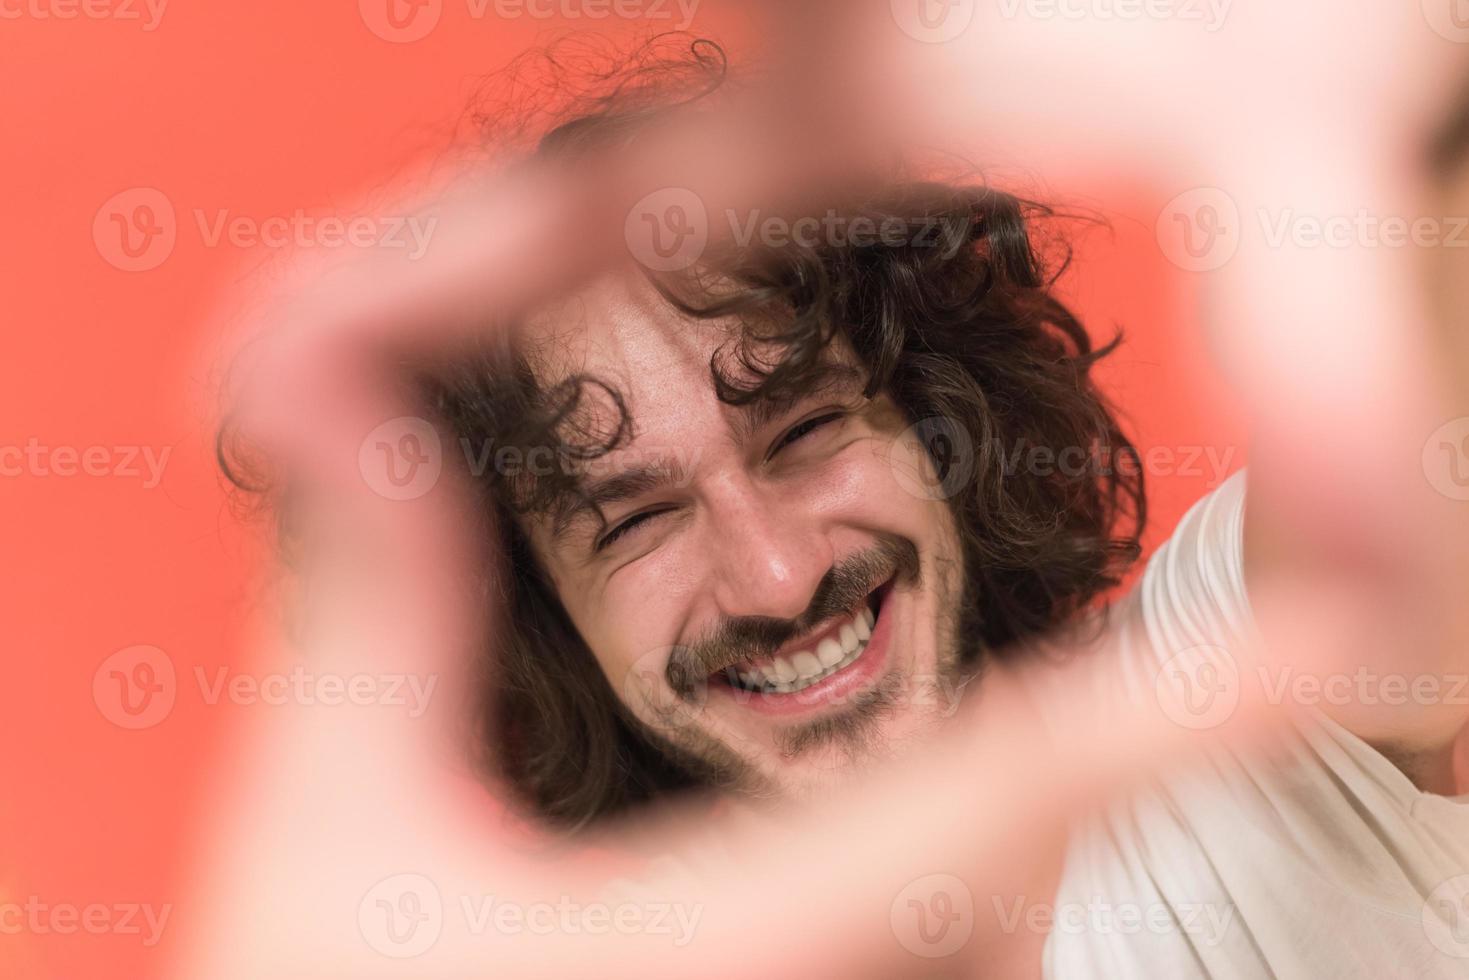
<point>680,733</point>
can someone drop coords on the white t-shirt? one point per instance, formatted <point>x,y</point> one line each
<point>1323,861</point>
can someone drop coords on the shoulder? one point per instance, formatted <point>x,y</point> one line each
<point>1190,600</point>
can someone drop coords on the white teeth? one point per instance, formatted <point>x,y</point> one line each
<point>806,663</point>
<point>784,675</point>
<point>780,671</point>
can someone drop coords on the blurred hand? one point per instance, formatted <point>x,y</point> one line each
<point>333,807</point>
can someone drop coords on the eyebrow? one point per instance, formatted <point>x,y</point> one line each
<point>749,419</point>
<point>826,377</point>
<point>647,478</point>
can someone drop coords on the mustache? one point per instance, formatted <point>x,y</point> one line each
<point>841,589</point>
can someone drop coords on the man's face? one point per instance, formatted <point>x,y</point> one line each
<point>772,591</point>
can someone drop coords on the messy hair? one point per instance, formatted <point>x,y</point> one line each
<point>954,318</point>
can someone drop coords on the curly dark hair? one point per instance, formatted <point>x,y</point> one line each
<point>955,318</point>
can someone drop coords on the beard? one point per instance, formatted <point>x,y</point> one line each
<point>841,744</point>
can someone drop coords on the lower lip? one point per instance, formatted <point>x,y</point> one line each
<point>846,684</point>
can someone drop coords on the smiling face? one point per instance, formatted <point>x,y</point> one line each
<point>766,588</point>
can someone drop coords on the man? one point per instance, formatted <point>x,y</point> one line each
<point>747,567</point>
<point>737,564</point>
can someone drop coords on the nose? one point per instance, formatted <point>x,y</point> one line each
<point>767,551</point>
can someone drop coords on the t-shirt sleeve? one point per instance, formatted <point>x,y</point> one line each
<point>1193,591</point>
<point>1172,635</point>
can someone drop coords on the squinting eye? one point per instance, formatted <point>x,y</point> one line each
<point>805,428</point>
<point>631,524</point>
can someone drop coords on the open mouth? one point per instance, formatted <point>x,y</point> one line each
<point>836,648</point>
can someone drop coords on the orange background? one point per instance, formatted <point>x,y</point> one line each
<point>262,108</point>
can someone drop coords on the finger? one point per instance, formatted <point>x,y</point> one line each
<point>982,808</point>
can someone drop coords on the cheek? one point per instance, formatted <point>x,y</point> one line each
<point>872,486</point>
<point>632,631</point>
<point>631,620</point>
<point>866,489</point>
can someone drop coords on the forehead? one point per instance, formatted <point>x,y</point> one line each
<point>649,366</point>
<point>620,331</point>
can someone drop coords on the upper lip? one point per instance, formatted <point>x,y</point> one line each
<point>807,641</point>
